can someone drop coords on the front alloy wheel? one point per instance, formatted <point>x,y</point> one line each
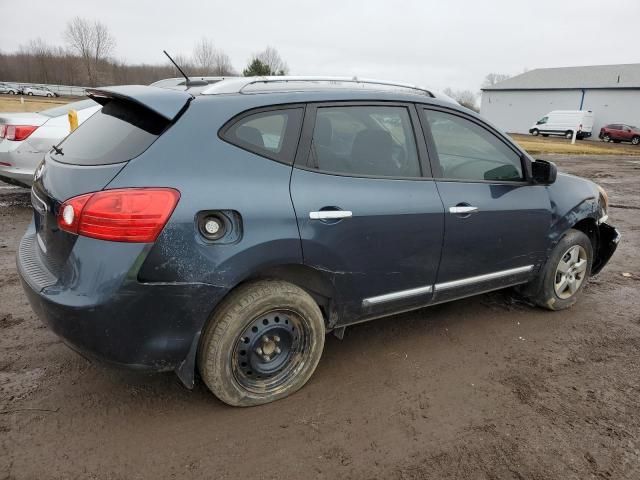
<point>635,140</point>
<point>559,282</point>
<point>570,272</point>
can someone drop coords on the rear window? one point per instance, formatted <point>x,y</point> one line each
<point>118,132</point>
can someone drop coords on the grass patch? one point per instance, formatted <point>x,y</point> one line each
<point>544,145</point>
<point>12,103</point>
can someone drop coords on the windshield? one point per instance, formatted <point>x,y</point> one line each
<point>64,109</point>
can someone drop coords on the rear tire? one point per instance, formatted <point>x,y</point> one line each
<point>262,344</point>
<point>545,134</point>
<point>568,134</point>
<point>30,93</point>
<point>565,273</point>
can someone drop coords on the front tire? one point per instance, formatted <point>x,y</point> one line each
<point>606,138</point>
<point>568,134</point>
<point>262,344</point>
<point>635,140</point>
<point>565,273</point>
<point>535,132</point>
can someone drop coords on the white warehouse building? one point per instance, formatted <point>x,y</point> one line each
<point>611,92</point>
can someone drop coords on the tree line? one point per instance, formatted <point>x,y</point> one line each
<point>86,59</point>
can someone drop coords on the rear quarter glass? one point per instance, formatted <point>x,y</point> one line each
<point>117,133</point>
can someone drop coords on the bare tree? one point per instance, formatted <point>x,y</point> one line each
<point>466,98</point>
<point>93,42</point>
<point>272,59</point>
<point>210,60</point>
<point>493,78</point>
<point>41,53</point>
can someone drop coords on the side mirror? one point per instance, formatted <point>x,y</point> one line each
<point>543,172</point>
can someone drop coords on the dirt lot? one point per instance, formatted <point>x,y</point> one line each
<point>484,388</point>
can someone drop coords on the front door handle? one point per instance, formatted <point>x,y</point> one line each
<point>330,214</point>
<point>463,209</point>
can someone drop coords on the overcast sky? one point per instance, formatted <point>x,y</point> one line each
<point>437,44</point>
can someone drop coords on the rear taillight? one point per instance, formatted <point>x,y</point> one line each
<point>18,132</point>
<point>3,130</point>
<point>122,215</point>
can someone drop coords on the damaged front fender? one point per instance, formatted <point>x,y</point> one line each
<point>609,238</point>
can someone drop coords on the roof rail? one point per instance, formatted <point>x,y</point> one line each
<point>243,84</point>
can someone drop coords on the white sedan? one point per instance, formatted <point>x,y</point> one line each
<point>39,91</point>
<point>26,137</point>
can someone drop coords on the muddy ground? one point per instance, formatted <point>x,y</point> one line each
<point>483,388</point>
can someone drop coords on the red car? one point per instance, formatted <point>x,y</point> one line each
<point>619,132</point>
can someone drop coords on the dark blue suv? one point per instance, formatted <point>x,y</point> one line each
<point>228,228</point>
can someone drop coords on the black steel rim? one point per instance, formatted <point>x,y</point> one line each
<point>270,351</point>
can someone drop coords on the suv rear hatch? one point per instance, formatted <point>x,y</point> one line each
<point>131,119</point>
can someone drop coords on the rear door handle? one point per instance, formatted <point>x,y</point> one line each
<point>330,214</point>
<point>463,209</point>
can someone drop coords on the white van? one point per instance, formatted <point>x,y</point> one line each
<point>564,122</point>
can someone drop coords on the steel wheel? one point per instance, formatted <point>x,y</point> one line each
<point>568,134</point>
<point>270,351</point>
<point>570,272</point>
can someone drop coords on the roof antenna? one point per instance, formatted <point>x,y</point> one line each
<point>189,82</point>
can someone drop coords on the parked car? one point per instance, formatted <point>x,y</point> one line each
<point>229,231</point>
<point>26,137</point>
<point>10,89</point>
<point>620,132</point>
<point>564,123</point>
<point>39,90</point>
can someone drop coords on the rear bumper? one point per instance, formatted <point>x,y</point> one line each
<point>18,162</point>
<point>99,309</point>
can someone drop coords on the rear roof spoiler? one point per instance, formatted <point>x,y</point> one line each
<point>165,102</point>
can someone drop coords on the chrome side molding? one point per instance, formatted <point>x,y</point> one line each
<point>413,292</point>
<point>482,278</point>
<point>388,297</point>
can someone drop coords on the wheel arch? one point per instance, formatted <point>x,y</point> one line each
<point>589,227</point>
<point>314,281</point>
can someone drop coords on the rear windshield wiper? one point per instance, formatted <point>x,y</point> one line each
<point>58,150</point>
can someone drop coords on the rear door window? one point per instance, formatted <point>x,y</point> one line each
<point>272,133</point>
<point>365,141</point>
<point>116,133</point>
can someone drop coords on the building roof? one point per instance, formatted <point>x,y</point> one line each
<point>594,76</point>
